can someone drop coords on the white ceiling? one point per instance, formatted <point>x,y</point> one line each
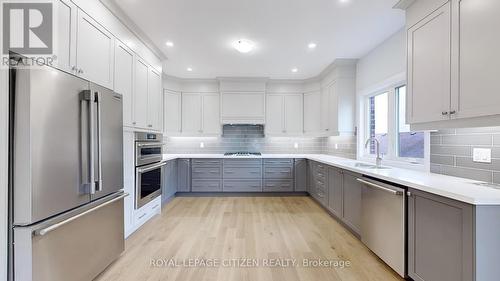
<point>203,30</point>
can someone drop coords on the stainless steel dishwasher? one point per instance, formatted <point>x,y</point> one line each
<point>383,221</point>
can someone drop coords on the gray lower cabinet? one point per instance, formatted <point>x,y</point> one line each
<point>319,189</point>
<point>278,185</point>
<point>206,185</point>
<point>242,175</point>
<point>335,191</point>
<point>184,175</point>
<point>440,239</point>
<point>169,187</point>
<point>351,203</point>
<point>242,185</point>
<point>300,175</point>
<point>206,175</point>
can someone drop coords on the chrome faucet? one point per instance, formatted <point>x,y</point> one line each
<point>377,145</point>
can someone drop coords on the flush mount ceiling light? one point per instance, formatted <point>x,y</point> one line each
<point>169,44</point>
<point>312,45</point>
<point>295,70</point>
<point>243,45</point>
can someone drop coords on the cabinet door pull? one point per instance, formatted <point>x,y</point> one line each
<point>444,113</point>
<point>453,112</point>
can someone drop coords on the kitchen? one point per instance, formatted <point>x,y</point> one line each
<point>318,140</point>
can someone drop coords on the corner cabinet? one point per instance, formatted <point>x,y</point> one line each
<point>200,114</point>
<point>453,63</point>
<point>284,115</point>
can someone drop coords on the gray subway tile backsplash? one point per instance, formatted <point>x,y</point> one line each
<point>443,159</point>
<point>451,150</point>
<point>459,144</point>
<point>251,138</point>
<point>474,174</point>
<point>473,139</point>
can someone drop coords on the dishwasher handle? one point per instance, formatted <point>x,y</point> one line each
<point>395,192</point>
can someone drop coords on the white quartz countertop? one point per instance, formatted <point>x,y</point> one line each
<point>451,187</point>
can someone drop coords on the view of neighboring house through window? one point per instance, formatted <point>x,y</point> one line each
<point>378,122</point>
<point>385,117</point>
<point>409,144</point>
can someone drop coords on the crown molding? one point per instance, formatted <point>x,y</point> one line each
<point>403,4</point>
<point>129,23</point>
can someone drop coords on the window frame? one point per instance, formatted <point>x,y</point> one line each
<point>392,158</point>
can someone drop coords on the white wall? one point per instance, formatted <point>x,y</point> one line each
<point>385,61</point>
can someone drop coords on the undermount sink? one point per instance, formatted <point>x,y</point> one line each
<point>370,166</point>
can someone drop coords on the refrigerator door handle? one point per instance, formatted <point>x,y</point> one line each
<point>87,97</point>
<point>98,100</point>
<point>43,231</point>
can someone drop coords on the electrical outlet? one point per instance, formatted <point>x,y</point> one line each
<point>482,155</point>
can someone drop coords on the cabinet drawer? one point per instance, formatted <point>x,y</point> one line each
<point>243,172</point>
<point>206,173</point>
<point>278,185</point>
<point>242,185</point>
<point>321,177</point>
<point>242,162</point>
<point>278,162</point>
<point>321,190</point>
<point>206,185</point>
<point>278,172</point>
<point>206,162</point>
<point>143,214</point>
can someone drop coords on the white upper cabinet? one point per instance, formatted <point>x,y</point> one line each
<point>312,114</point>
<point>95,48</point>
<point>141,94</point>
<point>479,59</point>
<point>453,63</point>
<point>243,107</point>
<point>124,80</point>
<point>284,115</point>
<point>338,100</point>
<point>294,114</point>
<point>65,28</point>
<point>201,114</point>
<point>191,114</point>
<point>243,101</point>
<point>429,67</point>
<point>275,108</point>
<point>172,113</point>
<point>211,114</point>
<point>155,102</point>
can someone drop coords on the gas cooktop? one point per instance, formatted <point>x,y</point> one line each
<point>242,154</point>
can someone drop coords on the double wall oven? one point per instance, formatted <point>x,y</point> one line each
<point>148,167</point>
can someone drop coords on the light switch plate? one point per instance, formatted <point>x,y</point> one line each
<point>482,155</point>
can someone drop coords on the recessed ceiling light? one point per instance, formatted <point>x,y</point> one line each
<point>294,70</point>
<point>189,69</point>
<point>244,45</point>
<point>169,44</point>
<point>312,45</point>
<point>344,1</point>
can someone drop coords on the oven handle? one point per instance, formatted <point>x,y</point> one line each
<point>151,144</point>
<point>150,168</point>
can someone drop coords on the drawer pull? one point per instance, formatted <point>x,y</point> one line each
<point>155,206</point>
<point>141,216</point>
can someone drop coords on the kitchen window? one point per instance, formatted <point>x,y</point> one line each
<point>384,118</point>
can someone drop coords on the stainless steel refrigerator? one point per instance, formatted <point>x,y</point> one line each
<point>66,175</point>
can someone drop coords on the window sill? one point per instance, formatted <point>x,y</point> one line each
<point>397,163</point>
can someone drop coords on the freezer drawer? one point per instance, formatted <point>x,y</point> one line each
<point>75,246</point>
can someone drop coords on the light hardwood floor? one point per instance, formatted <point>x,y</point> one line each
<point>263,229</point>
